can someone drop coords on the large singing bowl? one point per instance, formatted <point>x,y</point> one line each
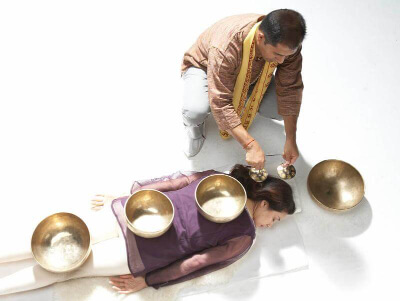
<point>149,213</point>
<point>335,185</point>
<point>220,198</point>
<point>61,242</point>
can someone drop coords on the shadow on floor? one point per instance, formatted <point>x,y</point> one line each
<point>324,232</point>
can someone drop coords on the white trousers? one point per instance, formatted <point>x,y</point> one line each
<point>196,106</point>
<point>108,257</point>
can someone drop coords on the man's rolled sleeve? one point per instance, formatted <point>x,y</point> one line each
<point>289,85</point>
<point>221,77</point>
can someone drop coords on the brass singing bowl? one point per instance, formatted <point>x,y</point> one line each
<point>220,198</point>
<point>335,185</point>
<point>149,213</point>
<point>258,175</point>
<point>61,242</point>
<point>286,172</point>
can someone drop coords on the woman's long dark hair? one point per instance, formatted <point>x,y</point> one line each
<point>277,192</point>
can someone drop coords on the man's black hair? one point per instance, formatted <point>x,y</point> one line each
<point>284,26</point>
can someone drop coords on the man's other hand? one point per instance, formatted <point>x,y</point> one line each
<point>290,152</point>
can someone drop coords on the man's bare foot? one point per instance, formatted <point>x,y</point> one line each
<point>101,200</point>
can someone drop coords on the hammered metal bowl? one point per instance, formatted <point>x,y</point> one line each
<point>335,185</point>
<point>286,172</point>
<point>149,213</point>
<point>61,242</point>
<point>220,198</point>
<point>258,175</point>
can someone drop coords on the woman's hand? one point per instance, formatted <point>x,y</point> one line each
<point>100,200</point>
<point>126,284</point>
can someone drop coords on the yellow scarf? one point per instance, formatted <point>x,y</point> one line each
<point>248,112</point>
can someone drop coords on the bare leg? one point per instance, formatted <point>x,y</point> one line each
<point>108,258</point>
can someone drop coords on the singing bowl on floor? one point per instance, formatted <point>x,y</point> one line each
<point>149,213</point>
<point>61,242</point>
<point>335,185</point>
<point>220,198</point>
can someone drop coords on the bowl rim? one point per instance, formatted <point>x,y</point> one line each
<point>319,202</point>
<point>147,232</point>
<point>232,217</point>
<point>77,265</point>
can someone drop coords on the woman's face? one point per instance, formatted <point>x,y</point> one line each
<point>265,217</point>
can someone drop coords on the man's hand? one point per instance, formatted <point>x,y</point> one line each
<point>126,284</point>
<point>255,155</point>
<point>290,152</point>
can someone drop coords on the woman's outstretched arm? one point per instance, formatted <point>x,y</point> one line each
<point>196,265</point>
<point>169,184</point>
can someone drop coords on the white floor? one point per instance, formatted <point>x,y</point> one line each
<point>90,97</point>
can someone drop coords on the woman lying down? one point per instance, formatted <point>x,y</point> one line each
<point>192,247</point>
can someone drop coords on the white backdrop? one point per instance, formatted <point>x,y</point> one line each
<point>90,99</point>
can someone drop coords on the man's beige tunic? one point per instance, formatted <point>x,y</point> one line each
<point>218,51</point>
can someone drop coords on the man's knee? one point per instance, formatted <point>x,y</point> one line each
<point>195,107</point>
<point>194,117</point>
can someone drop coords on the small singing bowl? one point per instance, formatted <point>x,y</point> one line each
<point>220,198</point>
<point>149,213</point>
<point>335,185</point>
<point>258,175</point>
<point>61,242</point>
<point>286,172</point>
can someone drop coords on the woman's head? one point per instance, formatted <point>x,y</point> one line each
<point>273,198</point>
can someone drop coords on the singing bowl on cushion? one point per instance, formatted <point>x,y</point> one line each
<point>149,213</point>
<point>61,242</point>
<point>335,185</point>
<point>220,198</point>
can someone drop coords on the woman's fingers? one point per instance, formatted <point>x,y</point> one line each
<point>118,289</point>
<point>126,284</point>
<point>103,198</point>
<point>97,201</point>
<point>121,277</point>
<point>96,207</point>
<point>119,285</point>
<point>117,280</point>
<point>122,289</point>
